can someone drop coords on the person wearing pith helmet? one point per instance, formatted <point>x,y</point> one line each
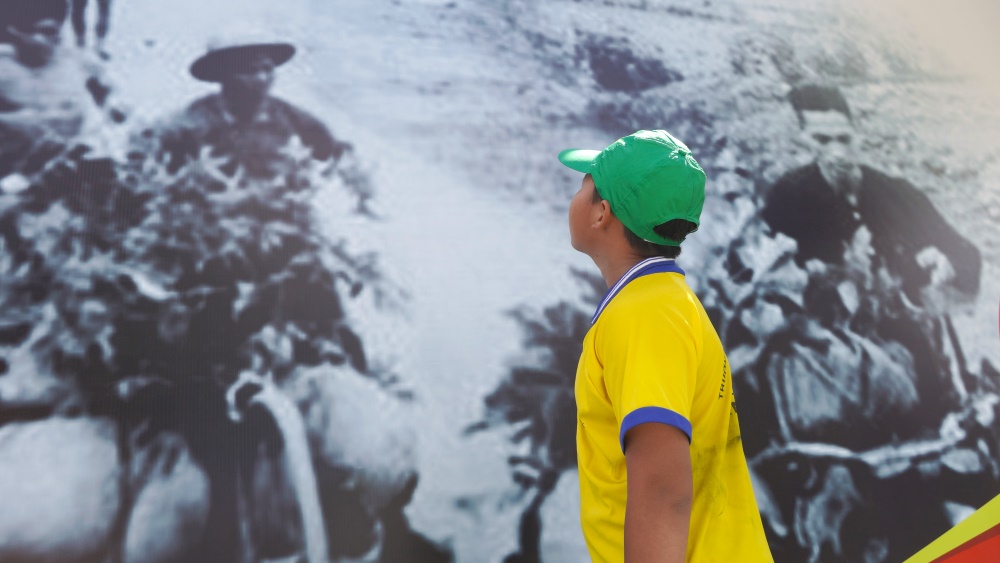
<point>243,120</point>
<point>663,476</point>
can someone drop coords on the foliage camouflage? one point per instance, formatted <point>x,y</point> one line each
<point>536,396</point>
<point>151,291</point>
<point>127,271</point>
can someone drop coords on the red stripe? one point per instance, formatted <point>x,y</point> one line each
<point>975,550</point>
<point>983,552</point>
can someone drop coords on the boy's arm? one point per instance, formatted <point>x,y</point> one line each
<point>660,491</point>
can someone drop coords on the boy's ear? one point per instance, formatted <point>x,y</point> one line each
<point>602,214</point>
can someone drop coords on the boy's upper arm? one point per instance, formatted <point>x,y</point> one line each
<point>658,454</point>
<point>650,361</point>
<point>660,494</point>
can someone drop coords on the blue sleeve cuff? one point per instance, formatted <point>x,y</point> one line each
<point>654,414</point>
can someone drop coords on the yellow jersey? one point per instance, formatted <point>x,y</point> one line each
<point>652,355</point>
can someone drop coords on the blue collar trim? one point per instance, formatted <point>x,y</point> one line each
<point>644,268</point>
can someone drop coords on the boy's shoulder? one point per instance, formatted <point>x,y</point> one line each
<point>648,297</point>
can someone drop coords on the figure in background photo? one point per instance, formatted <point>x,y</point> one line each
<point>823,205</point>
<point>855,358</point>
<point>243,122</point>
<point>275,314</point>
<point>881,237</point>
<point>79,19</point>
<point>48,94</point>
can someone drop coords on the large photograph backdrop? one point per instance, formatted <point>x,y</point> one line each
<point>292,281</point>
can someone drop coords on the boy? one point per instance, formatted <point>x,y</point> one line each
<point>662,471</point>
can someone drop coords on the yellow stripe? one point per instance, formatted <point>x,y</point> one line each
<point>979,522</point>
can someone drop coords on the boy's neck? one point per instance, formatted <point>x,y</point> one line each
<point>612,253</point>
<point>613,267</point>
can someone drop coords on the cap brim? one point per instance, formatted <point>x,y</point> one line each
<point>216,65</point>
<point>581,160</point>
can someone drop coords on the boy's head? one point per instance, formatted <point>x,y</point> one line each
<point>649,182</point>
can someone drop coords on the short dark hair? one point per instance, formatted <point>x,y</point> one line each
<point>675,229</point>
<point>813,97</point>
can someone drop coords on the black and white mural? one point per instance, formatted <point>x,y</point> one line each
<point>292,281</point>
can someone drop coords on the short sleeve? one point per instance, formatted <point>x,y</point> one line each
<point>650,360</point>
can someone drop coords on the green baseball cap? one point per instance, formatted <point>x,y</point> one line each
<point>648,178</point>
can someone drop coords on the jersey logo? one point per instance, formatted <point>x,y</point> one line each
<point>725,378</point>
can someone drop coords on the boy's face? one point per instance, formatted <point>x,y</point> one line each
<point>582,214</point>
